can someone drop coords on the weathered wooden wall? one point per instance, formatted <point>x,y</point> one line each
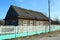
<point>22,22</point>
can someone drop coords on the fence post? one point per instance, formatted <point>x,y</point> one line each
<point>15,31</point>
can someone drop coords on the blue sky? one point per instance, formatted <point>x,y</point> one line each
<point>37,5</point>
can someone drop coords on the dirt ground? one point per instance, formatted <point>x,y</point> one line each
<point>45,36</point>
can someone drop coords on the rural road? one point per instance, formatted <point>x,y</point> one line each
<point>46,36</point>
<point>50,38</point>
<point>55,36</point>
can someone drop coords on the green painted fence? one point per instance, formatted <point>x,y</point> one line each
<point>28,31</point>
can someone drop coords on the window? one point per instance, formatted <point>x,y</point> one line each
<point>24,22</point>
<point>37,23</point>
<point>31,23</point>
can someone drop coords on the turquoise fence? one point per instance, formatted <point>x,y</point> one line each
<point>21,31</point>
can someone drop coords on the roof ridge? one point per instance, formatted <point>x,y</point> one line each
<point>29,13</point>
<point>26,9</point>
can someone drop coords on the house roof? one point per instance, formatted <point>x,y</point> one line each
<point>29,14</point>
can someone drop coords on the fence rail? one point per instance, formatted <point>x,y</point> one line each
<point>28,29</point>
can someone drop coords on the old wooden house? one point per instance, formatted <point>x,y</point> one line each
<point>18,16</point>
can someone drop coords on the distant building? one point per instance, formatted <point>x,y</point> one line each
<point>24,17</point>
<point>55,23</point>
<point>1,22</point>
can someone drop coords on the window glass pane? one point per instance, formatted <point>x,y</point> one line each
<point>31,23</point>
<point>24,22</point>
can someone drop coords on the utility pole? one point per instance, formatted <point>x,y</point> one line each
<point>49,14</point>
